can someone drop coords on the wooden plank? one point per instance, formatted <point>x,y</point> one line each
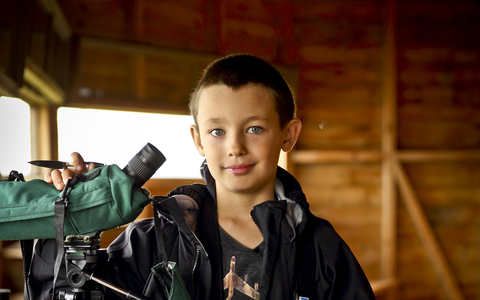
<point>350,217</point>
<point>319,156</point>
<point>325,135</point>
<point>362,11</point>
<point>285,37</point>
<point>445,175</point>
<point>426,234</point>
<point>438,112</point>
<point>348,115</point>
<point>340,75</point>
<point>439,135</point>
<point>349,196</point>
<point>339,175</point>
<point>358,94</point>
<point>327,55</point>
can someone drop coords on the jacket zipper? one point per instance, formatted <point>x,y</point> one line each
<point>197,255</point>
<point>164,215</point>
<point>256,223</point>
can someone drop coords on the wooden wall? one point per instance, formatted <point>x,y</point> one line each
<point>438,108</point>
<point>379,84</point>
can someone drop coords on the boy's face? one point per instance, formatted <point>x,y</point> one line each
<point>240,136</point>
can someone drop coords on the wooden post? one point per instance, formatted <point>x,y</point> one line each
<point>389,147</point>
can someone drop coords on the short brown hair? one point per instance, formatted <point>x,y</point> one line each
<point>236,71</point>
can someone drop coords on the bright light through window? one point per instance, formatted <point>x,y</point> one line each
<point>114,137</point>
<point>15,145</point>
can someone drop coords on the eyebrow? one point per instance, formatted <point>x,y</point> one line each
<point>213,120</point>
<point>219,120</point>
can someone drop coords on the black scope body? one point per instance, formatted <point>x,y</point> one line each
<point>143,165</point>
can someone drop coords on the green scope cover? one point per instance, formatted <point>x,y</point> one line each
<point>104,202</point>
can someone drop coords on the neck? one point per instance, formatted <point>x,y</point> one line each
<point>233,213</point>
<point>241,204</point>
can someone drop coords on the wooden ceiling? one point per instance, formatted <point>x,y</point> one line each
<point>192,25</point>
<point>147,55</point>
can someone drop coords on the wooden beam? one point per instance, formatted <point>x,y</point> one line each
<point>31,97</point>
<point>7,86</point>
<point>440,155</point>
<point>147,50</point>
<point>43,83</point>
<point>59,21</point>
<point>335,156</point>
<point>426,234</point>
<point>365,156</point>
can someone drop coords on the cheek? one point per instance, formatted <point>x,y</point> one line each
<point>210,150</point>
<point>268,149</point>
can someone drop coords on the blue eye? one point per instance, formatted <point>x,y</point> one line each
<point>217,132</point>
<point>255,129</point>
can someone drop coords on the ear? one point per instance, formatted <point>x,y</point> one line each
<point>196,139</point>
<point>292,131</point>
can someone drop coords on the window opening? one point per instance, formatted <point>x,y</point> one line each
<point>15,136</point>
<point>114,137</point>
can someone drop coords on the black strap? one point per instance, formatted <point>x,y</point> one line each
<point>27,252</point>
<point>305,264</point>
<point>60,207</point>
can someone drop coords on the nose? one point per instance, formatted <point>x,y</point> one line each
<point>236,145</point>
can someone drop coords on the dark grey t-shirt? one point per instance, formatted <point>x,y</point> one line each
<point>241,268</point>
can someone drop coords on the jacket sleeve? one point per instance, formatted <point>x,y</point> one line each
<point>339,274</point>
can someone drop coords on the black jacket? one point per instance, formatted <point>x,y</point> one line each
<point>191,234</point>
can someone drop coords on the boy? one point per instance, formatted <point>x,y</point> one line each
<point>238,237</point>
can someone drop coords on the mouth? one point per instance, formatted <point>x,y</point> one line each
<point>239,169</point>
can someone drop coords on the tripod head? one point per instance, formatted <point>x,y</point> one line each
<point>82,255</point>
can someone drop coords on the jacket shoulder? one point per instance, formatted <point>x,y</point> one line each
<point>327,239</point>
<point>197,191</point>
<point>341,274</point>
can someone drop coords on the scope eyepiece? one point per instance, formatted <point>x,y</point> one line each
<point>143,165</point>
